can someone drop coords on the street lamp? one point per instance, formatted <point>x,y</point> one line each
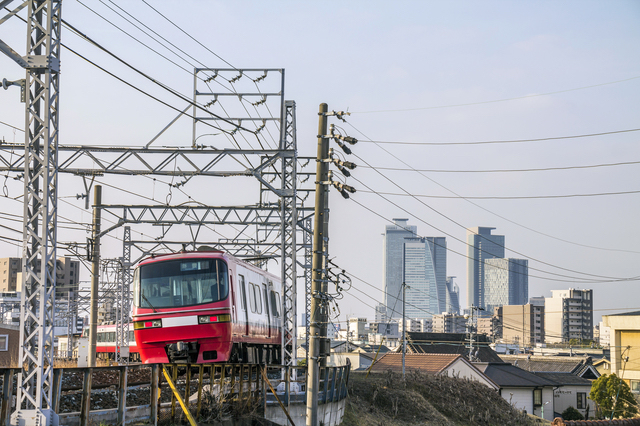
<point>543,408</point>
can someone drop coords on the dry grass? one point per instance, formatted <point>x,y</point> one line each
<point>384,399</point>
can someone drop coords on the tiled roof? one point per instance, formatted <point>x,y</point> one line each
<point>510,376</point>
<point>426,363</point>
<point>485,353</point>
<point>565,379</point>
<point>549,364</point>
<point>634,313</point>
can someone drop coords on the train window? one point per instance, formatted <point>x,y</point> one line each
<point>266,298</point>
<point>275,304</point>
<point>256,291</point>
<point>252,297</point>
<point>176,283</point>
<point>243,294</point>
<point>99,337</point>
<point>112,336</point>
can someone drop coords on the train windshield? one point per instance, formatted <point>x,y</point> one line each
<point>177,283</point>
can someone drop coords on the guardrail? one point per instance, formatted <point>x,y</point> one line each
<point>173,393</point>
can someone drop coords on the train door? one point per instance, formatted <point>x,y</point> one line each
<point>266,305</point>
<point>244,316</point>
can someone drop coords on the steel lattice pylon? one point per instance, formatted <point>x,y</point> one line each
<point>123,300</point>
<point>34,397</point>
<point>288,247</point>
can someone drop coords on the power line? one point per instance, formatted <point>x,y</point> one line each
<point>162,85</point>
<point>463,227</point>
<point>543,169</point>
<point>13,127</point>
<point>572,280</point>
<point>189,35</point>
<point>498,100</point>
<point>487,210</point>
<point>514,197</point>
<point>501,141</point>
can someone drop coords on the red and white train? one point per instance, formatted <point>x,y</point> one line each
<point>106,342</point>
<point>206,306</point>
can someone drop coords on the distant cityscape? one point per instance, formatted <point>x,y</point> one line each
<point>497,292</point>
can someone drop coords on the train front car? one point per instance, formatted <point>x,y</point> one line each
<point>182,308</point>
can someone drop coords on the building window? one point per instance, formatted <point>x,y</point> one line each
<point>581,404</point>
<point>4,342</point>
<point>537,397</point>
<point>635,386</point>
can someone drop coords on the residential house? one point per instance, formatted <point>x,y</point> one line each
<point>452,343</point>
<point>571,391</point>
<point>522,389</point>
<point>452,365</point>
<point>576,365</point>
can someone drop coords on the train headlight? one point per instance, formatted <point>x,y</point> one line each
<point>208,319</point>
<point>138,325</point>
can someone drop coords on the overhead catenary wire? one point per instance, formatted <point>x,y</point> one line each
<point>542,169</point>
<point>574,280</point>
<point>505,197</point>
<point>479,206</point>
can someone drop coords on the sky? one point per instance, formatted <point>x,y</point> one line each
<point>539,76</point>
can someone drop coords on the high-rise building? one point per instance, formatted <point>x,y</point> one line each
<point>568,315</point>
<point>67,275</point>
<point>425,272</point>
<point>481,245</point>
<point>393,263</point>
<point>381,313</point>
<point>523,324</point>
<point>9,269</point>
<point>506,282</point>
<point>453,296</point>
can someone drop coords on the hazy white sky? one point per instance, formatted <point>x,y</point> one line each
<point>418,71</point>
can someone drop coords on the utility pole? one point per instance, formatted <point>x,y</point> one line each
<point>317,316</point>
<point>95,274</point>
<point>404,325</point>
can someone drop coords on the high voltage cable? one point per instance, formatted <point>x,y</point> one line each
<point>460,225</point>
<point>487,210</point>
<point>553,138</point>
<point>162,85</point>
<point>543,169</point>
<point>13,127</point>
<point>514,197</point>
<point>498,100</point>
<point>189,35</point>
<point>170,50</point>
<point>573,280</point>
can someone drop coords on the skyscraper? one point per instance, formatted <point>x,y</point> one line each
<point>425,273</point>
<point>393,262</point>
<point>453,296</point>
<point>481,245</point>
<point>506,282</point>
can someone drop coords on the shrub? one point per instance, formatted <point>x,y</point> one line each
<point>571,414</point>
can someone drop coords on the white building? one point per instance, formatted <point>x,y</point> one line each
<point>568,315</point>
<point>358,329</point>
<point>449,323</point>
<point>605,335</point>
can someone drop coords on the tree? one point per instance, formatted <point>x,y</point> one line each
<point>609,390</point>
<point>572,414</point>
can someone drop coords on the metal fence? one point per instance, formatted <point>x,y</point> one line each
<point>169,394</point>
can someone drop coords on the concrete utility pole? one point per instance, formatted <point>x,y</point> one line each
<point>404,325</point>
<point>95,274</point>
<point>318,316</point>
